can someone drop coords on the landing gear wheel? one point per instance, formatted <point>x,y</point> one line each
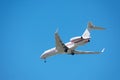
<point>66,50</point>
<point>45,61</point>
<point>72,53</point>
<point>88,40</point>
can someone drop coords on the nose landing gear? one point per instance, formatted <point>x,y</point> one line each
<point>45,61</point>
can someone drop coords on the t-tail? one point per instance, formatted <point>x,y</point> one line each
<point>90,27</point>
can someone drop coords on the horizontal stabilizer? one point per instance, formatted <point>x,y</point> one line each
<point>92,27</point>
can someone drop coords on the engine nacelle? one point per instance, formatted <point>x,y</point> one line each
<point>76,39</point>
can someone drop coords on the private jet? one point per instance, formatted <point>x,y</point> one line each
<point>69,47</point>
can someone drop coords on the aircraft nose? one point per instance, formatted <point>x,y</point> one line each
<point>43,55</point>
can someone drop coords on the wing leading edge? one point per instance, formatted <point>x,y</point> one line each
<point>60,46</point>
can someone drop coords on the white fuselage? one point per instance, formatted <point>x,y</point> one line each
<point>69,48</point>
<point>72,45</point>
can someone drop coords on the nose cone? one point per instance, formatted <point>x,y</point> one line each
<point>43,56</point>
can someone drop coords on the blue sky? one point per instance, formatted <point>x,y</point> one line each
<point>27,29</point>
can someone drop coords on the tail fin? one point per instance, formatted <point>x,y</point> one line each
<point>90,27</point>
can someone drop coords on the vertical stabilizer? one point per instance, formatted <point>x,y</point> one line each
<point>90,27</point>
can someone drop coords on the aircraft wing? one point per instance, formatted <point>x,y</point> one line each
<point>60,46</point>
<point>88,52</point>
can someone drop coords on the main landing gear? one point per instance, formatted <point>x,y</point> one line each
<point>72,53</point>
<point>65,50</point>
<point>88,40</point>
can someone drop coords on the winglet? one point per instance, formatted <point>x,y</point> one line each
<point>57,30</point>
<point>103,50</point>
